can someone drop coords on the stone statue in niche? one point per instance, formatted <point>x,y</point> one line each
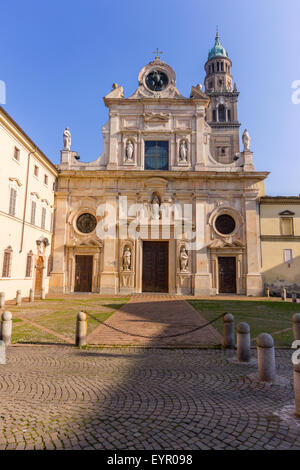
<point>67,139</point>
<point>155,208</point>
<point>246,140</point>
<point>127,259</point>
<point>183,259</point>
<point>129,151</point>
<point>183,151</point>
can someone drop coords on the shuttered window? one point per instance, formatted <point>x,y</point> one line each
<point>51,222</point>
<point>29,265</point>
<point>6,269</point>
<point>33,212</point>
<point>43,223</point>
<point>50,265</point>
<point>12,202</point>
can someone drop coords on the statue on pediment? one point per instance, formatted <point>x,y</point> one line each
<point>246,140</point>
<point>67,139</point>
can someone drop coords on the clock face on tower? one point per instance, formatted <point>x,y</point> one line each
<point>157,80</point>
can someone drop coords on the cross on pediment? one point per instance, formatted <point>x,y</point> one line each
<point>157,52</point>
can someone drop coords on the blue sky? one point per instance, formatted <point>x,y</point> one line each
<point>59,58</point>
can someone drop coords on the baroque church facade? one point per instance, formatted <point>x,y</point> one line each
<point>172,203</point>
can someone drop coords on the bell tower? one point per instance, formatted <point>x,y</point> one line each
<point>222,111</point>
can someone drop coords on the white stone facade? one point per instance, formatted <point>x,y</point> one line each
<point>192,176</point>
<point>26,177</point>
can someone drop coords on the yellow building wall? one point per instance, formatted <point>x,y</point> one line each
<point>276,272</point>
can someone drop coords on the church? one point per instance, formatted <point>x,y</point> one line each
<point>172,203</point>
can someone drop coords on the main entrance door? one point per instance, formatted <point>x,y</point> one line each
<point>83,273</point>
<point>227,275</point>
<point>155,266</point>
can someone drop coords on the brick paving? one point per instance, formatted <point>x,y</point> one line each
<point>155,315</point>
<point>61,397</point>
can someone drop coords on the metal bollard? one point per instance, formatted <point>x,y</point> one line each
<point>43,293</point>
<point>228,331</point>
<point>243,342</point>
<point>294,297</point>
<point>283,295</point>
<point>267,291</point>
<point>81,329</point>
<point>18,297</point>
<point>2,352</point>
<point>31,295</point>
<point>296,325</point>
<point>6,327</point>
<point>266,358</point>
<point>2,299</point>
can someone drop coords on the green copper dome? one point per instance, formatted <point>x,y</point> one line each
<point>218,50</point>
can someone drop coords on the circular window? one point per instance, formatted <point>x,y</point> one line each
<point>225,224</point>
<point>86,223</point>
<point>157,80</point>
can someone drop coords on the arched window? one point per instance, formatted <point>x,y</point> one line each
<point>214,115</point>
<point>7,258</point>
<point>222,116</point>
<point>228,115</point>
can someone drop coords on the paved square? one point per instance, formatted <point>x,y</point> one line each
<point>60,397</point>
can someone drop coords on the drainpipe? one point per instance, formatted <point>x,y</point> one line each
<point>25,202</point>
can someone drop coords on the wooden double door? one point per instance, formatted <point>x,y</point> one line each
<point>83,273</point>
<point>155,266</point>
<point>227,274</point>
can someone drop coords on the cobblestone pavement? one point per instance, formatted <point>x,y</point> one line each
<point>156,315</point>
<point>60,397</point>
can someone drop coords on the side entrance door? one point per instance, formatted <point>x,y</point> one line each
<point>155,266</point>
<point>83,273</point>
<point>227,275</point>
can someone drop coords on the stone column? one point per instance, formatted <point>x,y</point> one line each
<point>6,327</point>
<point>2,299</point>
<point>57,279</point>
<point>228,331</point>
<point>199,157</point>
<point>296,326</point>
<point>267,292</point>
<point>297,388</point>
<point>283,294</point>
<point>109,275</point>
<point>254,285</point>
<point>243,342</point>
<point>113,141</point>
<point>266,358</point>
<point>18,297</point>
<point>2,352</point>
<point>31,295</point>
<point>202,276</point>
<point>81,329</point>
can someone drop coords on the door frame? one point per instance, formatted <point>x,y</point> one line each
<point>239,255</point>
<point>88,250</point>
<point>168,263</point>
<point>92,258</point>
<point>236,277</point>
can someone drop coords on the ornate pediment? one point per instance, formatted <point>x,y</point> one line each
<point>287,212</point>
<point>197,93</point>
<point>225,244</point>
<point>157,117</point>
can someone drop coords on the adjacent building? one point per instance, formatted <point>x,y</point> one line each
<point>280,243</point>
<point>27,181</point>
